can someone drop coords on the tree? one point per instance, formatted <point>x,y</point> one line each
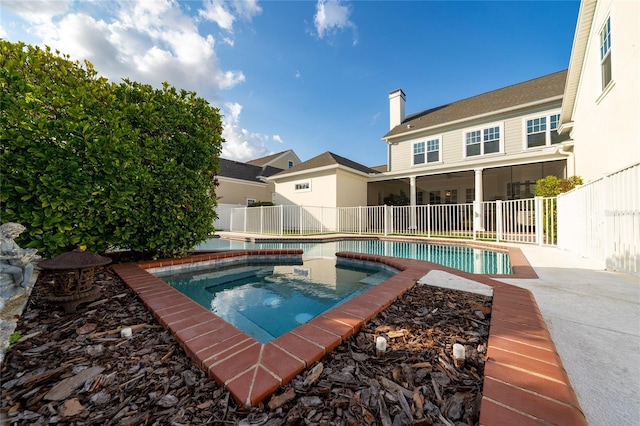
<point>86,161</point>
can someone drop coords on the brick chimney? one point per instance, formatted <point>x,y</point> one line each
<point>396,108</point>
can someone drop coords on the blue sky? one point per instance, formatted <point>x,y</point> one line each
<point>312,76</point>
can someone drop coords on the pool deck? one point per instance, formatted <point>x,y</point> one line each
<point>525,381</point>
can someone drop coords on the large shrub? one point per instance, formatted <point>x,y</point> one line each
<point>551,186</point>
<point>86,161</point>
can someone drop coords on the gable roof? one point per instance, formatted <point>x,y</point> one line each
<point>576,61</point>
<point>529,92</point>
<point>326,159</point>
<point>263,161</point>
<point>243,171</point>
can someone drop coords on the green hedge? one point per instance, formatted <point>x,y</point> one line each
<point>91,162</point>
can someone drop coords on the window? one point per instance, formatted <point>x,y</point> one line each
<point>434,197</point>
<point>419,197</point>
<point>470,195</point>
<point>451,196</point>
<point>543,131</point>
<point>290,164</point>
<point>431,148</point>
<point>605,53</point>
<point>491,140</point>
<point>482,141</point>
<point>433,151</point>
<point>303,186</point>
<point>418,153</point>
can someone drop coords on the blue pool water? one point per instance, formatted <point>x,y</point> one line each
<point>268,301</point>
<point>464,258</point>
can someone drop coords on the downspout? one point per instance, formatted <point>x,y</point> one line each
<point>571,158</point>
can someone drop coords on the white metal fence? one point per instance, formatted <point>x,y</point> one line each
<point>525,221</point>
<point>601,220</point>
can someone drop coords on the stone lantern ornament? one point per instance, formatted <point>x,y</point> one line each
<point>73,277</point>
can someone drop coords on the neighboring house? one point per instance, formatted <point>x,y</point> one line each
<point>242,183</point>
<point>246,183</point>
<point>601,108</point>
<point>327,180</point>
<point>282,160</point>
<point>493,146</point>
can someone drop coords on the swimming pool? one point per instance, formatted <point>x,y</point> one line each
<point>465,258</point>
<point>266,301</point>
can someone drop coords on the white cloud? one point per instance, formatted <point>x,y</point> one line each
<point>298,74</point>
<point>3,33</point>
<point>224,13</point>
<point>145,41</point>
<point>240,144</point>
<point>333,16</point>
<point>217,11</point>
<point>277,138</point>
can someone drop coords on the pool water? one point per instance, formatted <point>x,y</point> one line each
<point>465,258</point>
<point>268,301</point>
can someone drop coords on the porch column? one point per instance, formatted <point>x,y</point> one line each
<point>478,224</point>
<point>412,198</point>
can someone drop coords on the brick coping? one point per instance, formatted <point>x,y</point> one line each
<point>524,382</point>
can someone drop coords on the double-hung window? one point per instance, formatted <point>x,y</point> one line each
<point>605,53</point>
<point>482,141</point>
<point>418,153</point>
<point>426,151</point>
<point>543,131</point>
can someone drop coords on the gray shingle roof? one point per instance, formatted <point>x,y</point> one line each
<point>264,160</point>
<point>327,159</point>
<point>524,93</point>
<point>244,171</point>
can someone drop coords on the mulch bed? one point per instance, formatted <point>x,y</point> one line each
<point>76,369</point>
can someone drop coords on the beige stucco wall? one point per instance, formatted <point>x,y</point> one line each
<point>351,189</point>
<point>322,190</point>
<point>283,163</point>
<point>607,124</point>
<point>234,191</point>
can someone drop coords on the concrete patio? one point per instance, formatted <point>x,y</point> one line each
<point>593,316</point>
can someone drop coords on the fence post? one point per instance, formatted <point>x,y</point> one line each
<point>261,218</point>
<point>428,220</point>
<point>386,219</point>
<point>300,210</point>
<point>245,221</point>
<point>359,220</point>
<point>281,219</point>
<point>539,219</point>
<point>498,220</point>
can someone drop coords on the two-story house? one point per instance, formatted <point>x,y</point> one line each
<point>493,146</point>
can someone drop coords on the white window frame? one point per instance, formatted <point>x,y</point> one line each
<point>426,142</point>
<point>605,54</point>
<point>483,132</point>
<point>547,131</point>
<point>250,201</point>
<point>302,186</point>
<point>290,164</point>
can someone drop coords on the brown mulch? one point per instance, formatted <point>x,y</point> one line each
<point>76,369</point>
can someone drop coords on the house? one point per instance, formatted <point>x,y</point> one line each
<point>601,108</point>
<point>327,180</point>
<point>246,183</point>
<point>281,160</point>
<point>493,146</point>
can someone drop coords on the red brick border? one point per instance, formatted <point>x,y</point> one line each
<point>524,382</point>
